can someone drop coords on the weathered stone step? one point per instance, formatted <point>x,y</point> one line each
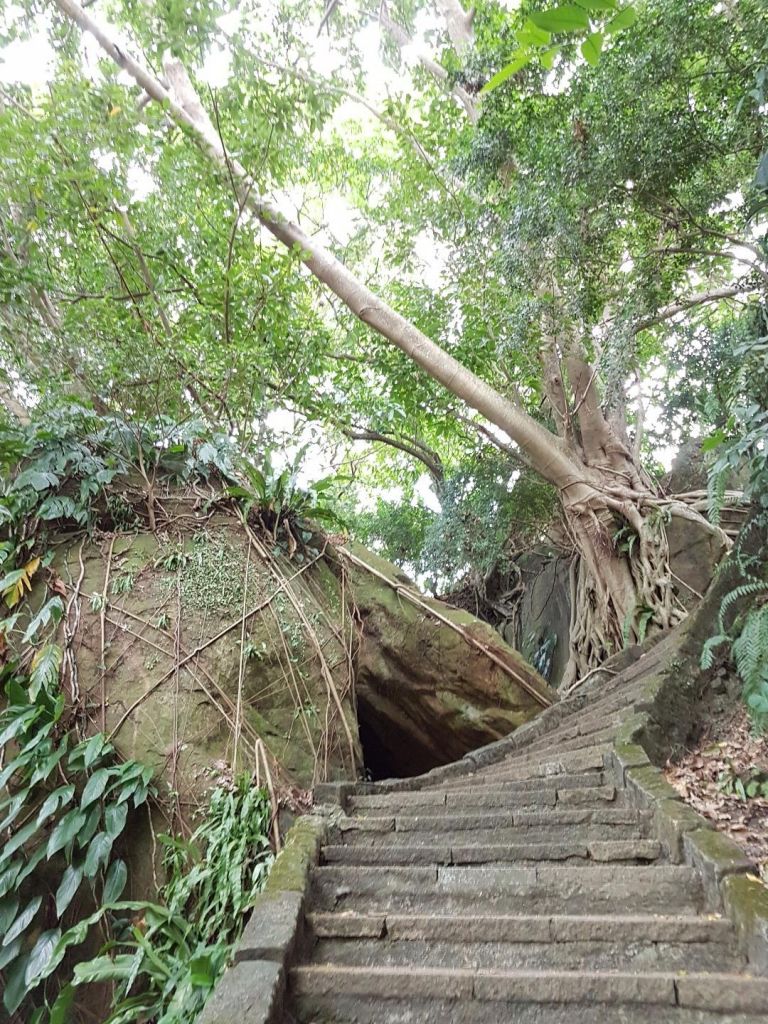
<point>522,928</point>
<point>357,1009</point>
<point>549,743</point>
<point>546,888</point>
<point>564,780</point>
<point>435,819</point>
<point>553,762</point>
<point>625,954</point>
<point>698,991</point>
<point>527,765</point>
<point>501,832</point>
<point>594,851</point>
<point>488,796</point>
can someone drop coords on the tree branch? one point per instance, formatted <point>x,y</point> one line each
<point>401,39</point>
<point>414,448</point>
<point>547,454</point>
<point>698,299</point>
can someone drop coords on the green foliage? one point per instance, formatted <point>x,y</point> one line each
<point>59,470</point>
<point>745,785</point>
<point>743,620</point>
<point>488,515</point>
<point>277,500</point>
<point>64,800</point>
<point>588,20</point>
<point>164,962</point>
<point>397,530</point>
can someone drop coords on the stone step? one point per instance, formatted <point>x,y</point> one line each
<point>315,1008</point>
<point>521,928</point>
<point>624,954</point>
<point>553,762</point>
<point>435,819</point>
<point>442,833</point>
<point>546,745</point>
<point>721,992</point>
<point>546,888</point>
<point>489,796</point>
<point>595,851</point>
<point>564,780</point>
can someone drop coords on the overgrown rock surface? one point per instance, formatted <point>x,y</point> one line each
<point>196,636</point>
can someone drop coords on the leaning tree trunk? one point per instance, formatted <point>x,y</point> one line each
<point>623,586</point>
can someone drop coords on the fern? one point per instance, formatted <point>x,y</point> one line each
<point>745,590</point>
<point>750,652</point>
<point>709,648</point>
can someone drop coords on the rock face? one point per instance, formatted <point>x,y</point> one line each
<point>180,658</point>
<point>544,615</point>
<point>693,558</point>
<point>427,695</point>
<point>210,644</point>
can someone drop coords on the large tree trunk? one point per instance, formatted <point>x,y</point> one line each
<point>615,520</point>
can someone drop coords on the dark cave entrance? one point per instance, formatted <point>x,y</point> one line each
<point>396,746</point>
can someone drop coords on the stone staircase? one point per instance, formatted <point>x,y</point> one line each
<point>535,890</point>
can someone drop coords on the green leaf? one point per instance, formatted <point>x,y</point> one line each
<point>60,1011</point>
<point>41,954</point>
<point>91,823</point>
<point>66,831</point>
<point>8,877</point>
<point>506,72</point>
<point>626,17</point>
<point>547,58</point>
<point>15,807</point>
<point>70,883</point>
<point>529,35</point>
<point>36,479</point>
<point>9,906</point>
<point>597,5</point>
<point>592,47</point>
<point>93,749</point>
<point>23,920</point>
<point>103,968</point>
<point>201,971</point>
<point>115,816</point>
<point>98,853</point>
<point>15,986</point>
<point>51,611</point>
<point>115,881</point>
<point>18,840</point>
<point>9,952</point>
<point>31,864</point>
<point>567,18</point>
<point>58,798</point>
<point>95,786</point>
<point>714,440</point>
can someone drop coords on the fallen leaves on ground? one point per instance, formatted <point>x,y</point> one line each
<point>727,751</point>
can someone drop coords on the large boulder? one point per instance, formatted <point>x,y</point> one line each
<point>199,651</point>
<point>433,682</point>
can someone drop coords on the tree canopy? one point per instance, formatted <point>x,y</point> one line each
<point>568,200</point>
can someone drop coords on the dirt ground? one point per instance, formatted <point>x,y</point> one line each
<point>724,774</point>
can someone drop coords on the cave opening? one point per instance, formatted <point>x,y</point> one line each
<point>395,745</point>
